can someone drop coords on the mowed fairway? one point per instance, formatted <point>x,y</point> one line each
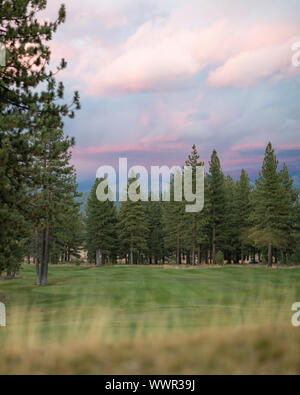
<point>154,317</point>
<point>157,297</point>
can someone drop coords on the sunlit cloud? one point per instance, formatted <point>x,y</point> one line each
<point>158,76</point>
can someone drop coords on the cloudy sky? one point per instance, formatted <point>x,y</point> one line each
<point>157,76</point>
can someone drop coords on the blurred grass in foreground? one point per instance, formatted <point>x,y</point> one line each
<point>119,320</point>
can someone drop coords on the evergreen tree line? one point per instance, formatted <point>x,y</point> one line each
<point>39,213</point>
<point>241,221</point>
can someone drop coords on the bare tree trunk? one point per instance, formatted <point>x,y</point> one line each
<point>270,255</point>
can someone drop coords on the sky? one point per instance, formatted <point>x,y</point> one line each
<point>157,76</point>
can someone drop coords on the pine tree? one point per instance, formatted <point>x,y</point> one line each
<point>101,229</point>
<point>231,228</point>
<point>67,235</point>
<point>193,224</point>
<point>21,107</point>
<point>204,224</point>
<point>296,227</point>
<point>174,225</point>
<point>14,228</point>
<point>134,228</point>
<point>272,208</point>
<point>243,211</point>
<point>292,196</point>
<point>217,197</point>
<point>55,186</point>
<point>156,233</point>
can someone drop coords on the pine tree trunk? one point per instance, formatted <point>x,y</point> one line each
<point>242,254</point>
<point>178,253</point>
<point>193,257</point>
<point>276,256</point>
<point>206,257</point>
<point>37,258</point>
<point>199,254</point>
<point>284,257</point>
<point>131,258</point>
<point>37,271</point>
<point>188,258</point>
<point>194,247</point>
<point>99,258</point>
<point>270,255</point>
<point>214,249</point>
<point>43,273</point>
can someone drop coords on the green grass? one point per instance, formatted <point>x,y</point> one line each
<point>122,319</point>
<point>156,297</point>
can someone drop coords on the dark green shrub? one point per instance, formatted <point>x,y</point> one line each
<point>220,258</point>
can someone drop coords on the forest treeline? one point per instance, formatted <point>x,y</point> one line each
<point>240,221</point>
<point>40,218</point>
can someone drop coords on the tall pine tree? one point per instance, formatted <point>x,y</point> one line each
<point>272,208</point>
<point>101,229</point>
<point>217,197</point>
<point>134,228</point>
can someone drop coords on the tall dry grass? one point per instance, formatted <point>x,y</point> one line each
<point>247,350</point>
<point>238,339</point>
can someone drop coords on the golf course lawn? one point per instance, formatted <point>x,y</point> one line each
<point>142,320</point>
<point>156,298</point>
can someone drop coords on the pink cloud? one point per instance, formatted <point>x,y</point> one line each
<point>145,145</point>
<point>242,161</point>
<point>248,67</point>
<point>85,14</point>
<point>161,55</point>
<point>164,53</point>
<point>249,146</point>
<point>289,147</point>
<point>261,145</point>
